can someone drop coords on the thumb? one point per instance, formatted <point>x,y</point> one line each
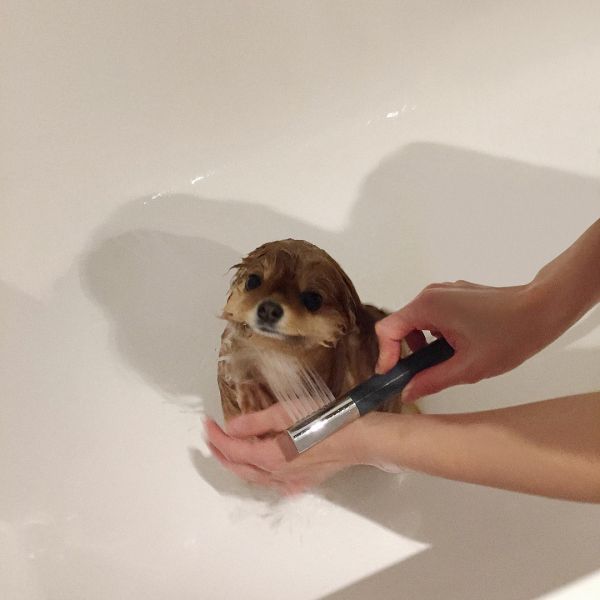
<point>270,420</point>
<point>390,332</point>
<point>434,379</point>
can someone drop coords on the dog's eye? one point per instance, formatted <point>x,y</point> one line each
<point>253,281</point>
<point>311,300</point>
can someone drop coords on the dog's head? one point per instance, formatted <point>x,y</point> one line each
<point>295,292</point>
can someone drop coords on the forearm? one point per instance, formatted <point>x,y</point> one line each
<point>567,287</point>
<point>549,448</point>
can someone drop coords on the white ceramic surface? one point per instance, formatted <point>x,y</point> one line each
<point>144,147</point>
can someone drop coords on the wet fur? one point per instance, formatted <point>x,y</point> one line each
<point>338,340</point>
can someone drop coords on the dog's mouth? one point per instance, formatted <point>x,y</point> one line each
<point>269,331</point>
<point>273,332</point>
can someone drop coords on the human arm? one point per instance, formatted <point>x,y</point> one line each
<point>495,329</point>
<point>549,448</point>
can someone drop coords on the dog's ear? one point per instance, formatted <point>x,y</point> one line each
<point>239,270</point>
<point>350,302</point>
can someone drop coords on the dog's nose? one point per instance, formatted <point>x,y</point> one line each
<point>269,311</point>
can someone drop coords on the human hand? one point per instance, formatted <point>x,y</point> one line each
<point>492,330</point>
<point>256,448</point>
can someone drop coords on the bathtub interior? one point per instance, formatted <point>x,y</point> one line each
<point>145,148</point>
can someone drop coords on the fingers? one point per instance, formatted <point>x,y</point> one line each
<point>256,461</point>
<point>246,472</point>
<point>390,332</point>
<point>264,461</point>
<point>271,420</point>
<point>265,454</point>
<point>434,379</point>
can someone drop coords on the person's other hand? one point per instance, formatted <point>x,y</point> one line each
<point>491,329</point>
<point>256,448</point>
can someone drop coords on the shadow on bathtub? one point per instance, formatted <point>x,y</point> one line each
<point>158,269</point>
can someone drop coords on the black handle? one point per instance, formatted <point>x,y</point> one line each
<point>373,392</point>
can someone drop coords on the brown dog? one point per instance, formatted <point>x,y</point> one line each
<point>291,297</point>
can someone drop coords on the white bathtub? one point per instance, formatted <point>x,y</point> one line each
<point>145,147</point>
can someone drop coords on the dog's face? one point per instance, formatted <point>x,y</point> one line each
<point>294,292</point>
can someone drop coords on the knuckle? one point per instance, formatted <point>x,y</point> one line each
<point>432,286</point>
<point>429,291</point>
